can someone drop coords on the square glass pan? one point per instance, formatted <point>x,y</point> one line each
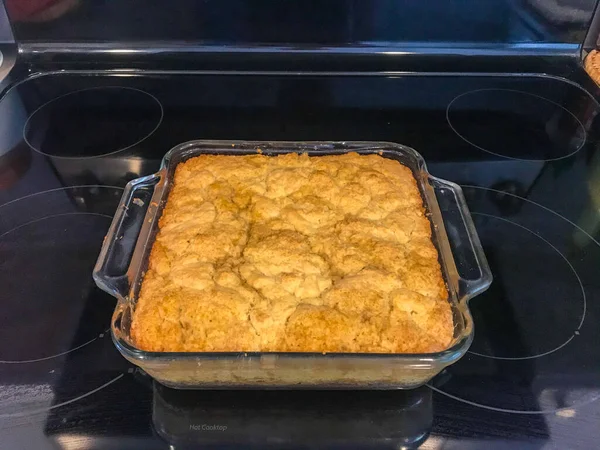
<point>126,249</point>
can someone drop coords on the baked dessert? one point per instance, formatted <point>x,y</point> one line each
<point>592,65</point>
<point>293,253</point>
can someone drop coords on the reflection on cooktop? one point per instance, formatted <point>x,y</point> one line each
<point>283,419</point>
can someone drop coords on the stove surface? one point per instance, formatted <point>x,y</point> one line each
<point>524,148</point>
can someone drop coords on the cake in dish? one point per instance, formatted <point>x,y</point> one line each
<point>293,253</point>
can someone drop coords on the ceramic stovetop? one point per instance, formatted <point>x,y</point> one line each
<point>524,149</point>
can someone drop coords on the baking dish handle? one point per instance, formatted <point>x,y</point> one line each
<point>112,272</point>
<point>474,274</point>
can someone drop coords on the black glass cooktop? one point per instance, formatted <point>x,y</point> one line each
<point>525,150</point>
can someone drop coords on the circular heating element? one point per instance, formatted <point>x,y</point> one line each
<point>93,122</point>
<point>54,320</point>
<point>517,319</point>
<point>516,125</point>
<point>535,331</point>
<point>54,237</point>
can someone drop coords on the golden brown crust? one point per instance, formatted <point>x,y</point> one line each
<point>293,253</point>
<point>592,65</point>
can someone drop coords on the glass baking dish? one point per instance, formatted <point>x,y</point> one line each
<point>126,248</point>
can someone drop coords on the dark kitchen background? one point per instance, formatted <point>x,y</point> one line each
<point>333,22</point>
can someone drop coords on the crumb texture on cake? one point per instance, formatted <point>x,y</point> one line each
<point>293,253</point>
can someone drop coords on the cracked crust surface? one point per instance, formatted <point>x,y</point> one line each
<point>293,253</point>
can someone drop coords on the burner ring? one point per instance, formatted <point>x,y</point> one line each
<point>507,385</point>
<point>79,231</point>
<point>85,344</point>
<point>512,411</point>
<point>487,131</point>
<point>97,123</point>
<point>583,296</point>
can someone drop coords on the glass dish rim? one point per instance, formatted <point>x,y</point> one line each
<point>445,357</point>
